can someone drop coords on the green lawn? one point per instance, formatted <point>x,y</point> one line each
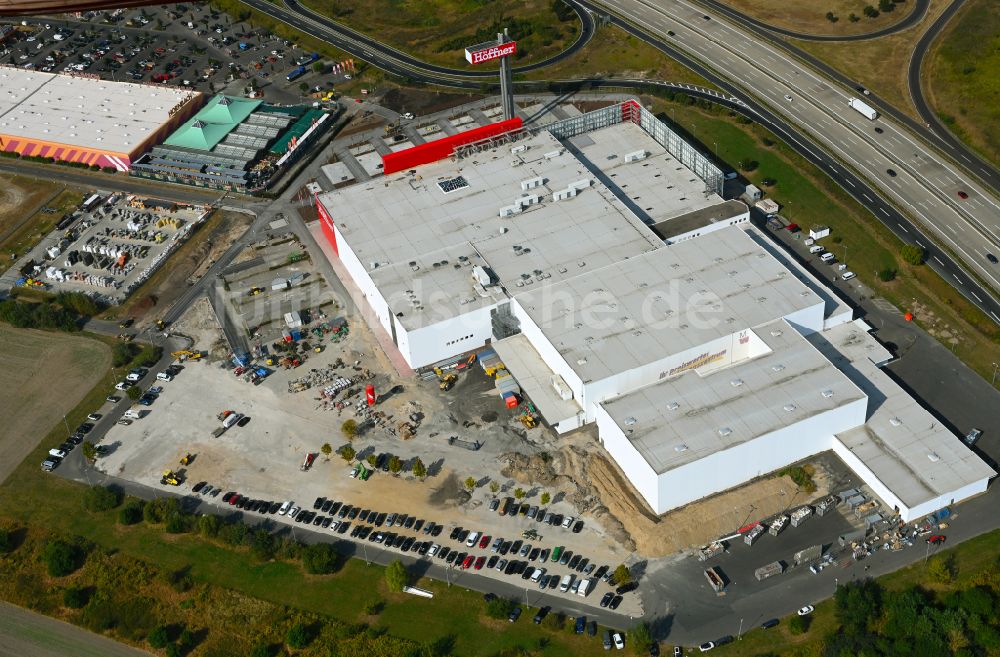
<point>961,76</point>
<point>41,224</point>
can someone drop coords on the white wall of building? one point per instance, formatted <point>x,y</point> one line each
<point>447,338</point>
<point>549,354</point>
<point>632,463</point>
<point>734,220</point>
<point>808,320</point>
<point>364,282</point>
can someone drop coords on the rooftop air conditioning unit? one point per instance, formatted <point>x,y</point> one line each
<point>564,194</point>
<point>531,183</point>
<point>553,154</point>
<point>509,210</point>
<point>580,185</point>
<point>635,156</point>
<point>520,148</point>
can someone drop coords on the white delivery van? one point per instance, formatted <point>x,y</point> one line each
<point>816,248</point>
<point>132,414</point>
<point>566,582</point>
<point>827,257</point>
<point>584,587</point>
<point>231,419</point>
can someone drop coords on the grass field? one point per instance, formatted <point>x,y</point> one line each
<point>810,17</point>
<point>879,64</point>
<point>438,31</point>
<point>961,78</point>
<point>21,194</point>
<point>43,376</point>
<point>810,198</point>
<point>614,53</point>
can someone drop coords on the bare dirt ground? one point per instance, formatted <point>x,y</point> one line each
<point>16,194</point>
<point>201,325</point>
<point>185,266</point>
<point>43,376</point>
<point>24,633</point>
<point>596,486</point>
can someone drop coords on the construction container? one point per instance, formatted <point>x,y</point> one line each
<point>845,494</point>
<point>751,536</point>
<point>778,525</point>
<point>715,579</point>
<point>279,284</point>
<point>800,515</point>
<point>711,550</point>
<point>509,399</point>
<point>826,504</point>
<point>850,538</point>
<point>811,553</point>
<point>770,570</point>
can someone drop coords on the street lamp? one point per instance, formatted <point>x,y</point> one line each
<point>739,635</point>
<point>994,381</point>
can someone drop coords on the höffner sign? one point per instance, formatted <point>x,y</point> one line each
<point>486,52</point>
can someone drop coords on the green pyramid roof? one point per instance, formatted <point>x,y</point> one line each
<point>211,125</point>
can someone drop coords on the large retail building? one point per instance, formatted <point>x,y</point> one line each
<point>599,260</point>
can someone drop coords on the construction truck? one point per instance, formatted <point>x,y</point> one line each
<point>254,291</point>
<point>528,420</point>
<point>445,381</point>
<point>184,354</point>
<point>170,478</point>
<point>160,325</point>
<point>186,459</point>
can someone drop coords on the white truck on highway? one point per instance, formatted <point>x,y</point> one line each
<point>863,108</point>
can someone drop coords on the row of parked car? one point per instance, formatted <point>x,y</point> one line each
<point>57,454</point>
<point>511,509</point>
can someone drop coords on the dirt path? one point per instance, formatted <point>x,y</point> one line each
<point>44,375</point>
<point>24,633</point>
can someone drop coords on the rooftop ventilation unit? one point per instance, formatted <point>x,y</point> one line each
<point>779,367</point>
<point>580,185</point>
<point>828,393</point>
<point>529,200</point>
<point>482,276</point>
<point>635,156</point>
<point>933,457</point>
<point>895,421</point>
<point>789,407</point>
<point>673,406</point>
<point>630,420</point>
<point>531,183</point>
<point>680,448</point>
<point>510,210</point>
<point>736,383</point>
<point>520,148</point>
<point>553,154</point>
<point>725,431</point>
<point>563,194</point>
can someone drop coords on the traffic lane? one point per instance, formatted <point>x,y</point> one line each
<point>838,132</point>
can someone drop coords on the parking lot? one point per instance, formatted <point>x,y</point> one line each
<point>181,45</point>
<point>109,245</point>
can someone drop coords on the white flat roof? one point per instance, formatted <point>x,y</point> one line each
<point>535,378</point>
<point>641,309</point>
<point>906,448</point>
<point>86,112</point>
<point>400,225</point>
<point>780,388</point>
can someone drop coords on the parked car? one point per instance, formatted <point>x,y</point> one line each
<point>619,641</point>
<point>805,611</point>
<point>514,615</point>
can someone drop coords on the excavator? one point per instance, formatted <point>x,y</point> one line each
<point>446,380</point>
<point>170,478</point>
<point>160,325</point>
<point>184,354</point>
<point>528,420</point>
<point>186,459</point>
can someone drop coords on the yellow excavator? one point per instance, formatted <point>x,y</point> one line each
<point>170,478</point>
<point>446,381</point>
<point>184,354</point>
<point>160,325</point>
<point>186,459</point>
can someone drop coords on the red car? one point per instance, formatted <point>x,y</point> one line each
<point>479,563</point>
<point>468,562</point>
<point>235,498</point>
<point>937,539</point>
<point>963,195</point>
<point>484,542</point>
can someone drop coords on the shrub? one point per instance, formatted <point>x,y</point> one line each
<point>174,650</point>
<point>6,541</point>
<point>299,636</point>
<point>798,625</point>
<point>76,597</point>
<point>262,545</point>
<point>320,559</point>
<point>131,513</point>
<point>941,570</point>
<point>887,274</point>
<point>122,353</point>
<point>801,476</point>
<point>746,164</point>
<point>101,498</point>
<point>375,607</point>
<point>621,575</point>
<point>913,254</point>
<point>159,637</point>
<point>261,650</point>
<point>148,356</point>
<point>396,576</point>
<point>208,525</point>
<point>161,509</point>
<point>134,393</point>
<point>62,558</point>
<point>499,608</point>
<point>641,636</point>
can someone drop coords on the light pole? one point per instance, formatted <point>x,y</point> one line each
<point>994,381</point>
<point>365,548</point>
<point>845,254</point>
<point>526,597</point>
<point>739,635</point>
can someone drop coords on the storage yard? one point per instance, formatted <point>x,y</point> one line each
<point>109,245</point>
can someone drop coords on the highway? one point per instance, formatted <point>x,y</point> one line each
<point>904,169</point>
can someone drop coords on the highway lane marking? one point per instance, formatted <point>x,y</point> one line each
<point>848,181</point>
<point>995,316</point>
<point>958,279</point>
<point>920,245</point>
<point>938,260</point>
<point>902,226</point>
<point>952,229</point>
<point>977,297</point>
<point>868,198</point>
<point>884,212</point>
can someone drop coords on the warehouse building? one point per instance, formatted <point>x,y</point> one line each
<point>234,144</point>
<point>87,120</point>
<point>598,259</point>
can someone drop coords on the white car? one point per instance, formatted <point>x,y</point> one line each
<point>848,275</point>
<point>705,647</point>
<point>473,537</point>
<point>294,511</point>
<point>434,550</point>
<point>805,611</point>
<point>408,116</point>
<point>334,525</point>
<point>788,97</point>
<point>94,417</point>
<point>123,385</point>
<point>58,453</point>
<point>619,642</point>
<point>284,508</point>
<point>568,522</point>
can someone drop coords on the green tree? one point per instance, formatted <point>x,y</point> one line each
<point>470,484</point>
<point>372,460</point>
<point>263,545</point>
<point>89,451</point>
<point>519,494</point>
<point>261,650</point>
<point>831,17</point>
<point>6,541</point>
<point>640,637</point>
<point>798,625</point>
<point>299,636</point>
<point>546,498</point>
<point>941,570</point>
<point>62,558</point>
<point>913,254</point>
<point>134,393</point>
<point>499,608</point>
<point>159,637</point>
<point>870,12</point>
<point>350,429</point>
<point>419,469</point>
<point>131,513</point>
<point>326,450</point>
<point>887,274</point>
<point>101,498</point>
<point>76,597</point>
<point>886,5</point>
<point>348,453</point>
<point>747,164</point>
<point>395,465</point>
<point>122,353</point>
<point>319,67</point>
<point>396,576</point>
<point>494,486</point>
<point>303,87</point>
<point>320,559</point>
<point>621,575</point>
<point>208,525</point>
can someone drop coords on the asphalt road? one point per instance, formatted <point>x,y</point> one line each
<point>922,181</point>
